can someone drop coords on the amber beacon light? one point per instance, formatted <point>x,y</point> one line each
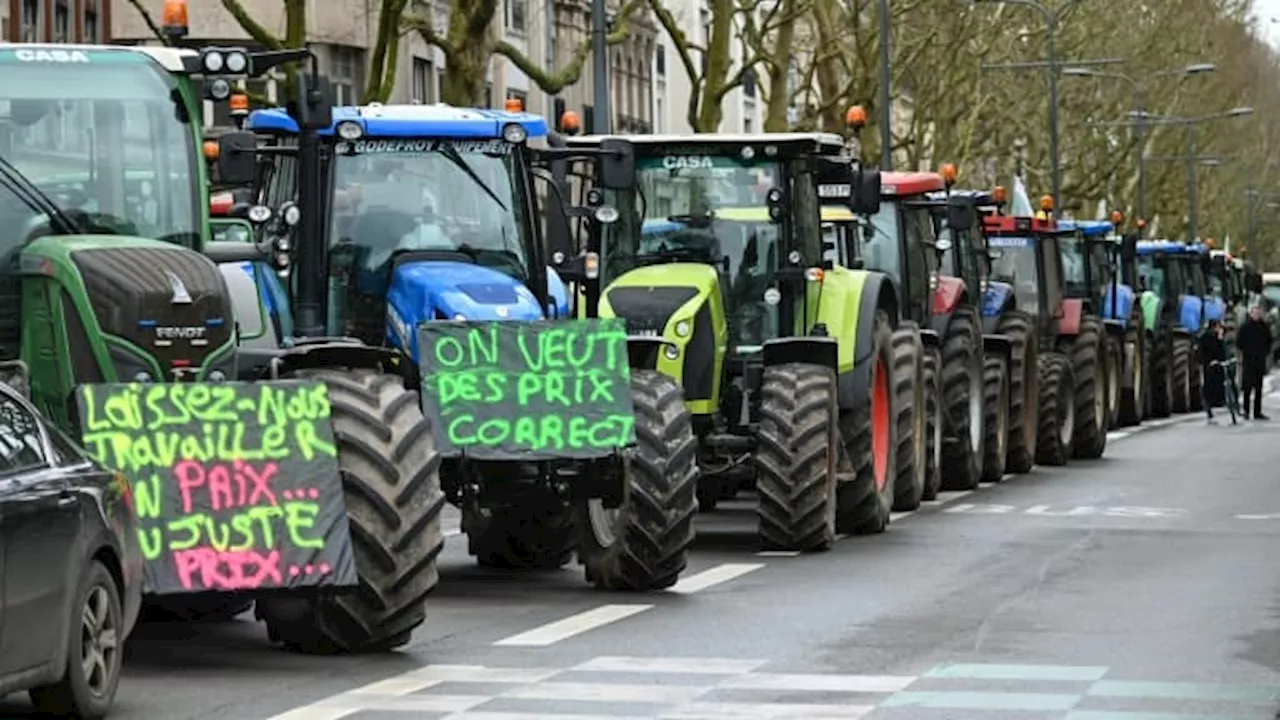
<point>174,19</point>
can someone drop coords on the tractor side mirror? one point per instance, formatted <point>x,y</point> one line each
<point>617,167</point>
<point>237,158</point>
<point>961,214</point>
<point>1129,247</point>
<point>866,192</point>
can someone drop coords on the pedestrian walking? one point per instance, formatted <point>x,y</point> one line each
<point>1212,353</point>
<point>1253,342</point>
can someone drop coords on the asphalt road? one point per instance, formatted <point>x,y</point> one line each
<point>1139,587</point>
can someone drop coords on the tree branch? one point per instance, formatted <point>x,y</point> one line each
<point>553,83</point>
<point>427,31</point>
<point>257,32</point>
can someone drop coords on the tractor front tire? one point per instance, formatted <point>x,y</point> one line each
<point>933,425</point>
<point>1024,390</point>
<point>996,422</point>
<point>1133,358</point>
<point>644,544</point>
<point>868,449</point>
<point>962,392</point>
<point>391,477</point>
<point>1181,374</point>
<point>1088,368</point>
<point>1163,397</point>
<point>1057,417</point>
<point>912,425</point>
<point>798,444</point>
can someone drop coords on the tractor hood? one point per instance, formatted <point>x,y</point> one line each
<point>437,290</point>
<point>1190,313</point>
<point>653,297</point>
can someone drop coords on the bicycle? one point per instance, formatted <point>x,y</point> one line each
<point>1230,394</point>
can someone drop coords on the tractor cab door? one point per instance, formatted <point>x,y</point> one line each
<point>919,258</point>
<point>1052,284</point>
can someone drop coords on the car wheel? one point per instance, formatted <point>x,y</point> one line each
<point>95,643</point>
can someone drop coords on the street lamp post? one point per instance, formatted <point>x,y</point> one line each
<point>1141,88</point>
<point>886,77</point>
<point>1052,19</point>
<point>1191,159</point>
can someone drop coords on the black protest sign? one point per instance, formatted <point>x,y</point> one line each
<point>527,390</point>
<point>235,485</point>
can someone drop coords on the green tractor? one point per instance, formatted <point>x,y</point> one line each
<point>113,279</point>
<point>786,359</point>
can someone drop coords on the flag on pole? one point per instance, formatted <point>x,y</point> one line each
<point>1226,244</point>
<point>1021,205</point>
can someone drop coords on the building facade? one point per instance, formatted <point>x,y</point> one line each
<point>56,21</point>
<point>343,34</point>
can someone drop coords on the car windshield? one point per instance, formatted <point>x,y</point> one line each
<point>1015,263</point>
<point>708,209</point>
<point>457,198</point>
<point>99,131</point>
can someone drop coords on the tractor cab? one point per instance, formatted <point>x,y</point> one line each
<point>900,241</point>
<point>1027,255</point>
<point>1200,269</point>
<point>957,216</point>
<point>432,215</point>
<point>1164,271</point>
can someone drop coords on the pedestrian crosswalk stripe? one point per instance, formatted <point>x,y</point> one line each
<point>982,700</point>
<point>1185,691</point>
<point>819,683</point>
<point>973,671</point>
<point>607,692</point>
<point>769,711</point>
<point>691,666</point>
<point>1122,715</point>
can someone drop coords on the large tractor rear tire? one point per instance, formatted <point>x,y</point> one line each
<point>868,449</point>
<point>996,422</point>
<point>1057,417</point>
<point>644,543</point>
<point>1115,371</point>
<point>909,403</point>
<point>962,394</point>
<point>1181,374</point>
<point>391,474</point>
<point>1163,397</point>
<point>533,537</point>
<point>1088,367</point>
<point>796,457</point>
<point>1024,390</point>
<point>1133,357</point>
<point>933,425</point>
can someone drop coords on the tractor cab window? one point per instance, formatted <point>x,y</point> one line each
<point>712,210</point>
<point>462,199</point>
<point>1015,263</point>
<point>106,134</point>
<point>1074,258</point>
<point>1196,284</point>
<point>879,243</point>
<point>1100,263</point>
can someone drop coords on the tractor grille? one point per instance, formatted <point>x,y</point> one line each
<point>172,303</point>
<point>646,312</point>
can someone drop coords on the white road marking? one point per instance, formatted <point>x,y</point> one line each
<point>714,576</point>
<point>820,683</point>
<point>492,715</point>
<point>684,666</point>
<point>771,711</point>
<point>778,553</point>
<point>554,632</point>
<point>607,692</point>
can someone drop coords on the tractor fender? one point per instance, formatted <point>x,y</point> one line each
<point>345,352</point>
<point>1121,298</point>
<point>1072,314</point>
<point>812,349</point>
<point>930,338</point>
<point>878,293</point>
<point>642,351</point>
<point>996,343</point>
<point>947,294</point>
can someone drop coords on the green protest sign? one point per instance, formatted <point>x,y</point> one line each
<point>527,391</point>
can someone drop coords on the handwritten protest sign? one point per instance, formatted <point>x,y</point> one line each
<point>236,485</point>
<point>527,391</point>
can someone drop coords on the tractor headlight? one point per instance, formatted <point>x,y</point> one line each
<point>237,63</point>
<point>682,329</point>
<point>142,377</point>
<point>514,133</point>
<point>672,352</point>
<point>460,317</point>
<point>214,62</point>
<point>350,130</point>
<point>219,89</point>
<point>217,376</point>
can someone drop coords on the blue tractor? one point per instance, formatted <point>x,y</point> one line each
<point>430,215</point>
<point>1173,308</point>
<point>1097,253</point>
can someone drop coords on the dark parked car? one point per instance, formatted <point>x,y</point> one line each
<point>70,567</point>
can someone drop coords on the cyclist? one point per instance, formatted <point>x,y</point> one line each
<point>1213,352</point>
<point>1254,342</point>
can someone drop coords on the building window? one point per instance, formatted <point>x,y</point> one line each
<point>749,84</point>
<point>659,115</point>
<point>348,66</point>
<point>748,124</point>
<point>30,21</point>
<point>660,60</point>
<point>589,119</point>
<point>515,15</point>
<point>91,26</point>
<point>423,76</point>
<point>61,23</point>
<point>4,28</point>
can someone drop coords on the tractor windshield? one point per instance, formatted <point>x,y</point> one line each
<point>1164,278</point>
<point>1196,283</point>
<point>1015,263</point>
<point>465,198</point>
<point>710,209</point>
<point>104,132</point>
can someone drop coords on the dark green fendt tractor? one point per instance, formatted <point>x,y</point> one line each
<point>113,278</point>
<point>785,359</point>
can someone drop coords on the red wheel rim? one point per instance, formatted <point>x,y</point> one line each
<point>880,424</point>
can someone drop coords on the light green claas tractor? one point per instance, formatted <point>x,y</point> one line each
<point>785,358</point>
